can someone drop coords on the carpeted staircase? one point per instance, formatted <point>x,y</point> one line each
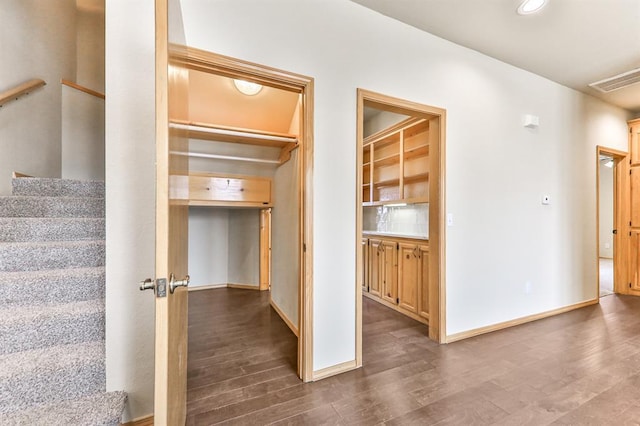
<point>52,310</point>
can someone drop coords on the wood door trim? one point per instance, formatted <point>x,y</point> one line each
<point>437,313</point>
<point>196,59</point>
<point>620,218</point>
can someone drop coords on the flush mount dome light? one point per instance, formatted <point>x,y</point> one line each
<point>531,6</point>
<point>247,87</point>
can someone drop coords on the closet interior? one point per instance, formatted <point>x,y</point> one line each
<point>243,188</point>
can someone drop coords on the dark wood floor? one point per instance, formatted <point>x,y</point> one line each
<point>579,368</point>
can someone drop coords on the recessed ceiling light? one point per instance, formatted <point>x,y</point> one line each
<point>247,87</point>
<point>531,6</point>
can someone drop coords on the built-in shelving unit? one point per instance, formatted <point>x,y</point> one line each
<point>396,164</point>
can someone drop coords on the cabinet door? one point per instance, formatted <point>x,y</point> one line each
<point>376,267</point>
<point>634,260</point>
<point>390,272</point>
<point>365,264</point>
<point>408,276</point>
<point>423,281</point>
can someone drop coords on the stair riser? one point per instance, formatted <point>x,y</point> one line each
<point>49,331</point>
<point>19,392</point>
<point>26,290</point>
<point>39,257</point>
<point>51,207</point>
<point>22,230</point>
<point>57,188</point>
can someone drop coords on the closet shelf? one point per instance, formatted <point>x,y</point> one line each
<point>218,133</point>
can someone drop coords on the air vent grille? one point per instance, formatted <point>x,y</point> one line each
<point>617,82</point>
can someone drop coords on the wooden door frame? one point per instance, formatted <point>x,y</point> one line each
<point>213,63</point>
<point>620,217</point>
<point>437,317</point>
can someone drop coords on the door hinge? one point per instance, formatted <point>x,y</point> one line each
<point>397,300</point>
<point>304,247</point>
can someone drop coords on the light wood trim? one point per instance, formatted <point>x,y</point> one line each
<point>334,370</point>
<point>20,90</point>
<point>359,234</point>
<point>17,175</point>
<point>207,287</point>
<point>265,249</point>
<point>243,286</point>
<point>437,235</point>
<point>142,421</point>
<point>420,241</point>
<point>519,321</point>
<point>209,62</point>
<point>282,315</point>
<point>381,134</point>
<point>620,213</point>
<point>82,88</point>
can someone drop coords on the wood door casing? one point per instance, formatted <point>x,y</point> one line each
<point>365,264</point>
<point>423,287</point>
<point>265,249</point>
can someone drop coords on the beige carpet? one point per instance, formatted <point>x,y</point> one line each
<point>606,277</point>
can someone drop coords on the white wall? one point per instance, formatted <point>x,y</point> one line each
<point>606,211</point>
<point>381,120</point>
<point>90,48</point>
<point>37,40</point>
<point>285,270</point>
<point>244,247</point>
<point>130,200</point>
<point>497,170</point>
<point>82,149</point>
<point>208,246</point>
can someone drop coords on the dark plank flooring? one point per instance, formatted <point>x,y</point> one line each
<point>579,368</point>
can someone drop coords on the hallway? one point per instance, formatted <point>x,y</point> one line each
<point>575,368</point>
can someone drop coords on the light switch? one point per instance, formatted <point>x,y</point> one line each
<point>546,200</point>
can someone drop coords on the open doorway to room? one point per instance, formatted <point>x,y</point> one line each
<point>400,209</point>
<point>249,150</point>
<point>606,227</point>
<point>611,213</point>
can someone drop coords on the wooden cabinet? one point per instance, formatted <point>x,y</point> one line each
<point>396,164</point>
<point>399,275</point>
<point>634,209</point>
<point>382,269</point>
<point>211,189</point>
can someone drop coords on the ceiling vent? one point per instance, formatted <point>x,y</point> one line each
<point>617,82</point>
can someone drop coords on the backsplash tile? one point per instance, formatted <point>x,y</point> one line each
<point>411,220</point>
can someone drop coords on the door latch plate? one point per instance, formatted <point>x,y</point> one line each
<point>161,287</point>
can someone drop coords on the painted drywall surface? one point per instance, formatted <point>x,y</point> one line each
<point>90,48</point>
<point>380,121</point>
<point>208,246</point>
<point>285,272</point>
<point>497,170</point>
<point>130,201</point>
<point>37,40</point>
<point>244,247</point>
<point>82,135</point>
<point>606,211</point>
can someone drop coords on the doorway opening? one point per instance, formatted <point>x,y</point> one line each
<point>610,176</point>
<point>249,130</point>
<point>400,205</point>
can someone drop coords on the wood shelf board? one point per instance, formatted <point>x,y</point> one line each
<point>419,151</point>
<point>212,132</point>
<point>385,183</point>
<point>417,200</point>
<point>416,178</point>
<point>237,204</point>
<point>388,160</point>
<point>391,130</point>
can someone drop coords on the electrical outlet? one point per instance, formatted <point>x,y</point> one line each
<point>546,200</point>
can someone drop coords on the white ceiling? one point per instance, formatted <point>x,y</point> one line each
<point>572,42</point>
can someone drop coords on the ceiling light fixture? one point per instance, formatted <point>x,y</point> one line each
<point>531,6</point>
<point>248,88</point>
